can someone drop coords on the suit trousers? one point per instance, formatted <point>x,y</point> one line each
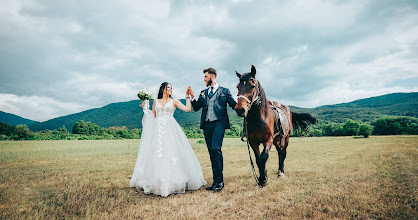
<point>214,135</point>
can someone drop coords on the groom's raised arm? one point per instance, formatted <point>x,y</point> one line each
<point>198,104</point>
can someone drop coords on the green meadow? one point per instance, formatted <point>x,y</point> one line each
<point>326,177</point>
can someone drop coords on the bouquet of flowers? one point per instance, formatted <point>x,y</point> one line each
<point>144,95</point>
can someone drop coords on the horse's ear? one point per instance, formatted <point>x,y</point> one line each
<point>239,75</point>
<point>253,71</point>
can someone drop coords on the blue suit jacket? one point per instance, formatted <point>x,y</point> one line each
<point>223,97</point>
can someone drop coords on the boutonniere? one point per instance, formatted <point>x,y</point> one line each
<point>203,94</point>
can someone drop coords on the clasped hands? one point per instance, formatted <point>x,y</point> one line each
<point>189,91</point>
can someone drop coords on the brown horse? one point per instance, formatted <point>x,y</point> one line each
<point>268,123</point>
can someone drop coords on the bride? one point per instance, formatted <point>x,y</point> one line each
<point>166,162</point>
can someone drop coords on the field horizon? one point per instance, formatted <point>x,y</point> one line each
<point>326,177</point>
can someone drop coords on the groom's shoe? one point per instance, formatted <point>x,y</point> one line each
<point>218,187</point>
<point>211,187</point>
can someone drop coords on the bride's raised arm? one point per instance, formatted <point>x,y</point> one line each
<point>187,107</point>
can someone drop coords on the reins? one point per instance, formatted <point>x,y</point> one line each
<point>257,180</point>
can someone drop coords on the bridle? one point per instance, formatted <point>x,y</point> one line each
<point>256,100</point>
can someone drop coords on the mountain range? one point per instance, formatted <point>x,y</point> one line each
<point>130,113</point>
<point>14,120</point>
<point>369,109</point>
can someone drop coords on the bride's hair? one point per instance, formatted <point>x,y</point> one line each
<point>162,88</point>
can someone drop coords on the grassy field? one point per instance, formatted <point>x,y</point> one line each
<point>326,177</point>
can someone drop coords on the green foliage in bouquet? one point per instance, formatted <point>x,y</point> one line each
<point>144,95</point>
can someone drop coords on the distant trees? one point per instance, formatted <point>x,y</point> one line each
<point>89,131</point>
<point>235,131</point>
<point>365,130</point>
<point>22,132</point>
<point>86,128</point>
<point>332,129</point>
<point>18,132</point>
<point>382,126</point>
<point>349,128</point>
<point>394,126</point>
<point>6,129</point>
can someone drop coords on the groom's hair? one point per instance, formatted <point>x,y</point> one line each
<point>210,70</point>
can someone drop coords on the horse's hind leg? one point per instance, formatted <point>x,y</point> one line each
<point>282,157</point>
<point>282,154</point>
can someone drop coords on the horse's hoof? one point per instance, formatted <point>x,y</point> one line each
<point>263,183</point>
<point>281,174</point>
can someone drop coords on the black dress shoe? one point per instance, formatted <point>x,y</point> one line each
<point>218,187</point>
<point>211,187</point>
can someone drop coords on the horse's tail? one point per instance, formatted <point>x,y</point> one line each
<point>302,120</point>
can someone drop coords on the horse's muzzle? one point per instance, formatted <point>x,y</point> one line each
<point>240,112</point>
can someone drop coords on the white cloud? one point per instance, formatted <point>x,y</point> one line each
<point>344,92</point>
<point>307,53</point>
<point>38,108</point>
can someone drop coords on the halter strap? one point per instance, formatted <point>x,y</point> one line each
<point>255,93</point>
<point>245,98</point>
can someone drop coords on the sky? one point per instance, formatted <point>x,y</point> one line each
<point>62,57</point>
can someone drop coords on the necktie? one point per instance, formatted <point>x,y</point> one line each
<point>211,92</point>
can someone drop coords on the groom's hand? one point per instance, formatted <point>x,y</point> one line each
<point>191,92</point>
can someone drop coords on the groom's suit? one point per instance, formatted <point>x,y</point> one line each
<point>214,121</point>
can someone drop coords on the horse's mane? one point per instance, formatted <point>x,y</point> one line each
<point>264,105</point>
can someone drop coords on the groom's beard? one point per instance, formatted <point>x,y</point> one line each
<point>209,83</point>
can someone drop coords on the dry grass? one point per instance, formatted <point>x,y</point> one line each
<point>339,178</point>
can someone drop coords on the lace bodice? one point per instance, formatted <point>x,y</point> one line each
<point>163,113</point>
<point>167,110</point>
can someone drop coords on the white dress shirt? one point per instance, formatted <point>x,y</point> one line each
<point>215,87</point>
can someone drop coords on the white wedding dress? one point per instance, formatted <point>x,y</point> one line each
<point>166,162</point>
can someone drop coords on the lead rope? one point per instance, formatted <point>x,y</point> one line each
<point>249,154</point>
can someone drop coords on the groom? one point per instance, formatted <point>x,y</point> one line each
<point>214,121</point>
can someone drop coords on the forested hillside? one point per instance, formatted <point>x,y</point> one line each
<point>129,114</point>
<point>13,120</point>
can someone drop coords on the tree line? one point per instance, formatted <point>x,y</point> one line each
<point>80,131</point>
<point>382,126</point>
<point>89,131</point>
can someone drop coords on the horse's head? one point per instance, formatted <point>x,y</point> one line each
<point>248,92</point>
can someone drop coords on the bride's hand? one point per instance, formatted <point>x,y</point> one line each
<point>191,92</point>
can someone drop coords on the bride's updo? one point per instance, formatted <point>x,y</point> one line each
<point>162,88</point>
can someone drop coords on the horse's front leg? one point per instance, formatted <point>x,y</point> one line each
<point>263,162</point>
<point>255,146</point>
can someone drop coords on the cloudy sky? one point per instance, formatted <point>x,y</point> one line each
<point>66,56</point>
